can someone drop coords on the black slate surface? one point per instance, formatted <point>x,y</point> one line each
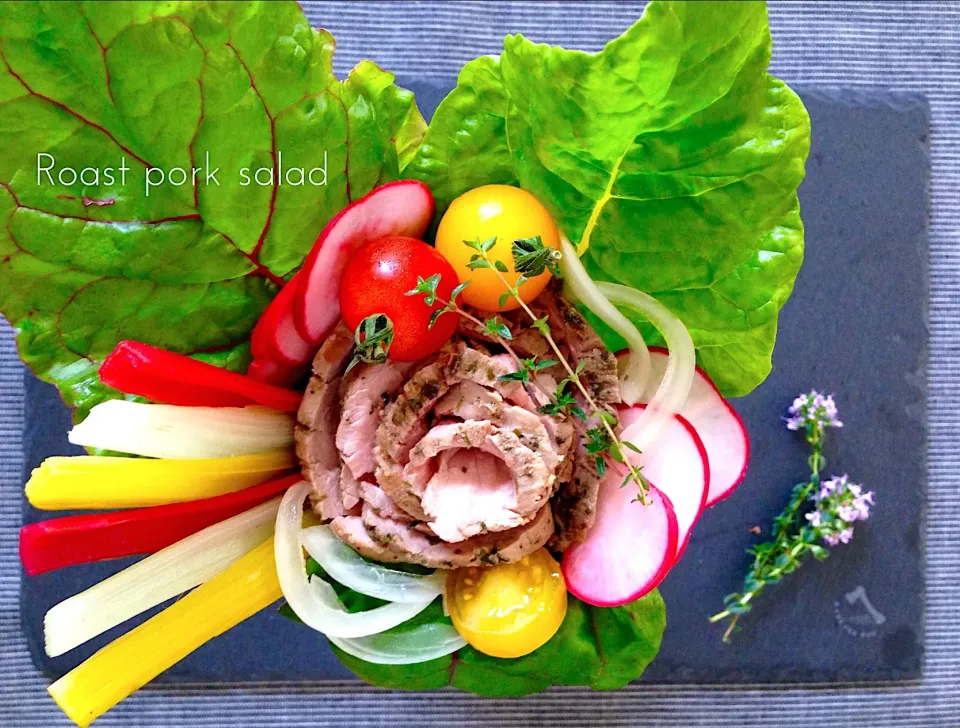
<point>854,326</point>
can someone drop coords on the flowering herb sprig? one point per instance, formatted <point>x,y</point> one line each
<point>837,505</point>
<point>492,327</point>
<point>532,258</point>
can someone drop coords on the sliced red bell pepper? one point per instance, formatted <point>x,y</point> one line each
<point>168,378</point>
<point>72,540</point>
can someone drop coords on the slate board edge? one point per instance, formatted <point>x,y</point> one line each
<point>903,101</point>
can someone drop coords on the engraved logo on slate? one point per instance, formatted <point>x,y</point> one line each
<point>856,615</point>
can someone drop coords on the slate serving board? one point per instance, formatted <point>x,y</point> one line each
<point>855,326</point>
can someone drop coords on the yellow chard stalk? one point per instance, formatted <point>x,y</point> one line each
<point>95,482</point>
<point>131,661</point>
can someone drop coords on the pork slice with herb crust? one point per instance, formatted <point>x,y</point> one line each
<point>469,401</point>
<point>574,506</point>
<point>578,480</point>
<point>393,541</point>
<point>585,347</point>
<point>452,461</point>
<point>317,421</point>
<point>365,392</point>
<point>472,382</point>
<point>405,419</point>
<point>474,477</point>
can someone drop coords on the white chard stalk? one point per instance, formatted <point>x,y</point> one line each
<point>164,575</point>
<point>312,599</point>
<point>603,298</point>
<point>171,431</point>
<point>681,364</point>
<point>420,644</point>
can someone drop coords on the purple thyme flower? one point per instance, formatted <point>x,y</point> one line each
<point>836,538</point>
<point>813,409</point>
<point>828,488</point>
<point>840,503</point>
<point>831,539</point>
<point>848,513</point>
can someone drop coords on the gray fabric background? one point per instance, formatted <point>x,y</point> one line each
<point>909,46</point>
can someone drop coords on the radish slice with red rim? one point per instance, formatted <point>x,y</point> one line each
<point>717,423</point>
<point>275,338</point>
<point>403,208</point>
<point>280,355</point>
<point>629,549</point>
<point>678,467</point>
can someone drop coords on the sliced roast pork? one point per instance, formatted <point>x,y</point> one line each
<point>366,390</point>
<point>455,451</point>
<point>449,462</point>
<point>473,477</point>
<point>394,541</point>
<point>575,502</point>
<point>317,421</point>
<point>574,507</point>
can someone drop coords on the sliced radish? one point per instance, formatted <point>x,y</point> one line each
<point>677,465</point>
<point>280,355</point>
<point>629,550</point>
<point>402,208</point>
<point>720,428</point>
<point>275,336</point>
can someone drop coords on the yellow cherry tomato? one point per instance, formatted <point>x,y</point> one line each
<point>508,610</point>
<point>508,214</point>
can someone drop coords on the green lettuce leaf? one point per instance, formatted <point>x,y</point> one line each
<point>671,157</point>
<point>85,263</point>
<point>600,648</point>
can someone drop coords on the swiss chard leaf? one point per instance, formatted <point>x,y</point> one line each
<point>601,648</point>
<point>671,157</point>
<point>89,261</point>
<point>465,145</point>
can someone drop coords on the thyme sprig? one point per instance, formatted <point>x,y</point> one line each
<point>531,258</point>
<point>427,287</point>
<point>839,503</point>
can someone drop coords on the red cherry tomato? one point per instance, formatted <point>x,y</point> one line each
<point>376,280</point>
